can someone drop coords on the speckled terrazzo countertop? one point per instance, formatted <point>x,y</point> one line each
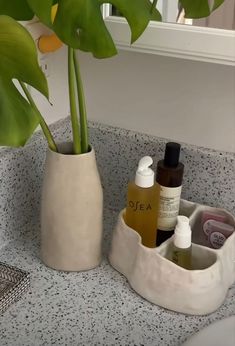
<point>97,307</point>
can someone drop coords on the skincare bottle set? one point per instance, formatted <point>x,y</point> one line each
<point>167,247</point>
<point>153,207</point>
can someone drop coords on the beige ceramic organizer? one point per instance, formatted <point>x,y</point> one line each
<point>162,282</point>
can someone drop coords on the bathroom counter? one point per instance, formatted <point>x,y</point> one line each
<point>97,307</point>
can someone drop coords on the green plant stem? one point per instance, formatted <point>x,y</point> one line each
<point>73,106</point>
<point>82,106</point>
<point>45,128</point>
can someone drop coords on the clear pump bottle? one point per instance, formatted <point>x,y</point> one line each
<point>182,246</point>
<point>142,200</point>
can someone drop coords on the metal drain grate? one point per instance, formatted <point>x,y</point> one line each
<point>13,283</point>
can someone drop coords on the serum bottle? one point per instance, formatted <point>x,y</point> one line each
<point>169,178</point>
<point>142,198</point>
<point>182,246</point>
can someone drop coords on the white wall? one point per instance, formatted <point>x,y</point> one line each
<point>192,102</point>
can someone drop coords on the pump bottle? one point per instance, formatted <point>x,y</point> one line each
<point>142,198</point>
<point>169,178</point>
<point>182,247</point>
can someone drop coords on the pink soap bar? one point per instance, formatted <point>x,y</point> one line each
<point>218,232</point>
<point>216,229</point>
<point>206,215</point>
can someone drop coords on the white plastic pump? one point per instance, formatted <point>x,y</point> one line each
<point>183,233</point>
<point>144,175</point>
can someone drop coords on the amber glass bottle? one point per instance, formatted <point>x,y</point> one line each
<point>142,199</point>
<point>169,178</point>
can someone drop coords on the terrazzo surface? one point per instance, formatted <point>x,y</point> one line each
<point>209,176</point>
<point>97,307</point>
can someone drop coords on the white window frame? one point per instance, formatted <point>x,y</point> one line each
<point>176,40</point>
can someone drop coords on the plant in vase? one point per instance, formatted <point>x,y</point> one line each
<point>71,218</point>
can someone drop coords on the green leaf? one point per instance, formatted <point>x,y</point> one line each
<point>80,24</point>
<point>42,9</point>
<point>196,8</point>
<point>199,8</point>
<point>17,118</point>
<point>217,3</point>
<point>18,60</point>
<point>18,9</point>
<point>138,13</point>
<point>19,55</point>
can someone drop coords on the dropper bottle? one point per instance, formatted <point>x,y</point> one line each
<point>142,200</point>
<point>182,246</point>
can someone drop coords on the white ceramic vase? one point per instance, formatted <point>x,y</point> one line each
<point>71,211</point>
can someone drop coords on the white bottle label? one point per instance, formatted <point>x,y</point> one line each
<point>168,207</point>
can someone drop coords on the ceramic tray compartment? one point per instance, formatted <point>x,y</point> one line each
<point>199,291</point>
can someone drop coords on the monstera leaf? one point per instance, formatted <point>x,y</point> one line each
<point>25,9</point>
<point>79,23</point>
<point>42,8</point>
<point>199,8</point>
<point>18,60</point>
<point>18,9</point>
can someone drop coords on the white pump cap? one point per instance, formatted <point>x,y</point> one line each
<point>183,233</point>
<point>144,175</point>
